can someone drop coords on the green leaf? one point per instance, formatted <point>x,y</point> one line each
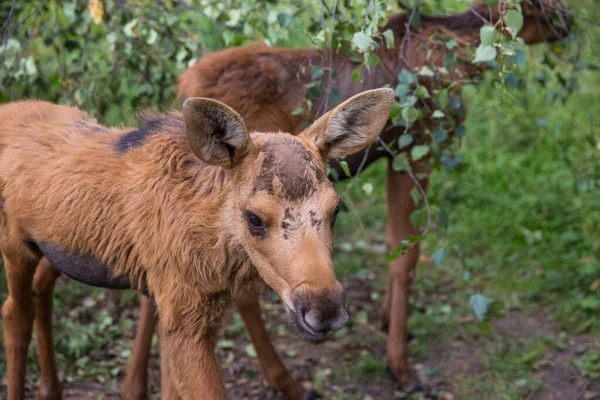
<point>439,256</point>
<point>284,19</point>
<point>438,114</point>
<point>406,77</point>
<point>405,140</point>
<point>297,111</point>
<point>335,97</point>
<point>251,351</point>
<point>480,305</point>
<point>439,134</point>
<point>367,188</point>
<point>488,35</point>
<point>225,344</point>
<point>450,44</point>
<point>316,72</point>
<point>401,163</point>
<point>398,250</point>
<point>514,20</point>
<point>422,92</point>
<point>357,76</point>
<point>362,41</point>
<point>425,71</point>
<point>345,168</point>
<point>361,317</point>
<point>485,53</point>
<point>410,114</point>
<point>419,152</point>
<point>395,112</point>
<point>388,35</point>
<point>291,353</point>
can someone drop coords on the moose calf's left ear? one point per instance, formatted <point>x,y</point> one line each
<point>215,132</point>
<point>352,125</point>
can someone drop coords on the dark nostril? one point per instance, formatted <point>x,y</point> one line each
<point>312,321</point>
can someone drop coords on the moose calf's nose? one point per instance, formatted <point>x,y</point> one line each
<point>324,325</point>
<point>321,311</point>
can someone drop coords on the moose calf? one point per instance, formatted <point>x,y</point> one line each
<point>190,209</point>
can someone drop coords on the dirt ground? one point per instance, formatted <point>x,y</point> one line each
<point>351,367</point>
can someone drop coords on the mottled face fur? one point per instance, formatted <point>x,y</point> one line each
<point>283,207</point>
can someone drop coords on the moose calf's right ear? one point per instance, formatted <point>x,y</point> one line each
<point>216,133</point>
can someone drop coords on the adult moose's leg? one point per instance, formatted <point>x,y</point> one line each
<point>17,317</point>
<point>43,291</point>
<point>400,205</point>
<point>275,372</point>
<point>135,385</point>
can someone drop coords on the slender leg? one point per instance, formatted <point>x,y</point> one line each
<point>167,388</point>
<point>275,372</point>
<point>194,369</point>
<point>43,290</point>
<point>17,317</point>
<point>135,386</point>
<point>401,270</point>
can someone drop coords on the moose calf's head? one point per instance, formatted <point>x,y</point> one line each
<point>282,205</point>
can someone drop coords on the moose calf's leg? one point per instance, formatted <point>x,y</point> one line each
<point>401,270</point>
<point>17,318</point>
<point>189,345</point>
<point>135,386</point>
<point>43,291</point>
<point>167,387</point>
<point>275,372</point>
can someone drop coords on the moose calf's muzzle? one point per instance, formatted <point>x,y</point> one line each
<point>318,312</point>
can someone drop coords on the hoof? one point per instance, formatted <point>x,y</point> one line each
<point>312,395</point>
<point>414,386</point>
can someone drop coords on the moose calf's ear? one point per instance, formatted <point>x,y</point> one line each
<point>216,133</point>
<point>352,125</point>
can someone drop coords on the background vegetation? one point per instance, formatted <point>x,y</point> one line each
<point>519,221</point>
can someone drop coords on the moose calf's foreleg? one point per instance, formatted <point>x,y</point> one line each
<point>167,387</point>
<point>193,366</point>
<point>275,372</point>
<point>17,318</point>
<point>135,385</point>
<point>401,270</point>
<point>43,291</point>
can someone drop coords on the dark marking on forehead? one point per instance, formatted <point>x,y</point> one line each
<point>151,125</point>
<point>293,164</point>
<point>287,223</point>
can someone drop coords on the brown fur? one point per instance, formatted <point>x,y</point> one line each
<point>152,211</point>
<point>266,84</point>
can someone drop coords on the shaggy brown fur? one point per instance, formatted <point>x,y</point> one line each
<point>167,207</point>
<point>266,84</point>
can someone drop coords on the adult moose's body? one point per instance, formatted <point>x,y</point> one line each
<point>190,209</point>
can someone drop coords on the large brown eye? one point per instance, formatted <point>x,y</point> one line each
<point>254,222</point>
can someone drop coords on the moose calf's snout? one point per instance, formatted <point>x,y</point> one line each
<point>320,311</point>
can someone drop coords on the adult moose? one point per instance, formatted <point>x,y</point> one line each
<point>191,209</point>
<point>265,85</point>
